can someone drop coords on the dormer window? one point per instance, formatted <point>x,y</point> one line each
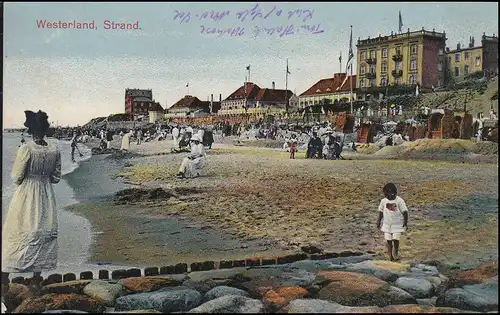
<point>328,90</point>
<point>318,90</point>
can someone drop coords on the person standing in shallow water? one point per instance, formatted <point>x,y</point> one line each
<point>392,219</point>
<point>29,233</point>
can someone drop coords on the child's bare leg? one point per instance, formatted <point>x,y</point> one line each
<point>396,249</point>
<point>389,250</point>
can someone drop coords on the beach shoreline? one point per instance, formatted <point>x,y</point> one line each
<point>151,233</point>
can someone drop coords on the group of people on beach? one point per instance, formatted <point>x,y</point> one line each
<point>30,229</point>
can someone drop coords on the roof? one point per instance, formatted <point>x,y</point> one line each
<point>339,83</point>
<point>273,95</point>
<point>156,107</point>
<point>192,102</point>
<point>139,92</point>
<point>251,92</point>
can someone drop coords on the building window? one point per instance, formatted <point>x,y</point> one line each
<point>413,79</point>
<point>413,65</point>
<point>362,83</point>
<point>373,54</point>
<point>399,65</point>
<point>372,82</point>
<point>457,71</point>
<point>457,57</point>
<point>440,67</point>
<point>398,81</point>
<point>383,82</point>
<point>478,61</point>
<point>466,55</point>
<point>466,69</point>
<point>384,67</point>
<point>441,51</point>
<point>362,55</point>
<point>413,48</point>
<point>362,68</point>
<point>384,52</point>
<point>372,68</point>
<point>398,50</point>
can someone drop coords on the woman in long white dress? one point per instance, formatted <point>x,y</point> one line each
<point>29,233</point>
<point>193,164</point>
<point>126,141</point>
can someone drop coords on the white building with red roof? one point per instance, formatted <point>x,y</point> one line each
<point>329,90</point>
<point>250,97</point>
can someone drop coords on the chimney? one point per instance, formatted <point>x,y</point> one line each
<point>458,46</point>
<point>447,49</point>
<point>274,86</point>
<point>211,102</point>
<point>472,42</point>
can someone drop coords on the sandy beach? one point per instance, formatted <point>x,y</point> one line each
<point>255,202</point>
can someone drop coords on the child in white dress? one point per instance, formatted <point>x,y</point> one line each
<point>392,219</point>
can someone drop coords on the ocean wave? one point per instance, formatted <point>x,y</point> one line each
<point>69,166</point>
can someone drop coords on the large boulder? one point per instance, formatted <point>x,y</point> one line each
<point>149,284</point>
<point>356,289</point>
<point>419,288</point>
<point>203,286</point>
<point>311,306</point>
<point>230,304</point>
<point>478,297</point>
<point>104,291</point>
<point>396,309</point>
<point>166,301</point>
<point>220,291</point>
<point>260,280</point>
<point>282,296</point>
<point>480,274</point>
<point>384,270</point>
<point>16,294</point>
<point>60,302</point>
<point>75,286</point>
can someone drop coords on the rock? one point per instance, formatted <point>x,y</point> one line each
<point>400,296</point>
<point>395,309</point>
<point>104,291</point>
<point>230,304</point>
<point>220,291</point>
<point>384,270</point>
<point>139,312</point>
<point>280,297</point>
<point>148,284</point>
<point>203,286</point>
<point>75,286</point>
<point>64,312</point>
<point>427,269</point>
<point>311,306</point>
<point>353,289</point>
<point>427,302</point>
<point>258,281</point>
<point>217,274</point>
<point>480,274</point>
<point>52,301</point>
<point>477,297</point>
<point>419,288</point>
<point>164,301</point>
<point>16,294</point>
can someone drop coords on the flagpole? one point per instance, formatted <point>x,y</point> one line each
<point>350,81</point>
<point>340,60</point>
<point>286,87</point>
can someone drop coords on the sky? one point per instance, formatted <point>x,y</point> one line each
<point>75,75</point>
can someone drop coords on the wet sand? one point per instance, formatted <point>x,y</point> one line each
<point>257,202</point>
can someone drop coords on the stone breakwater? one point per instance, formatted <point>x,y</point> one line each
<point>339,285</point>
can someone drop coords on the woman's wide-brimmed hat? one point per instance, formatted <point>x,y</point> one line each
<point>195,138</point>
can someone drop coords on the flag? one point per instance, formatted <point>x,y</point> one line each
<point>346,77</point>
<point>400,23</point>
<point>351,53</point>
<point>340,58</point>
<point>248,67</point>
<point>287,71</point>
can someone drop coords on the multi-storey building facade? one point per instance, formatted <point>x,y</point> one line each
<point>465,60</point>
<point>250,96</point>
<point>332,89</point>
<point>140,102</point>
<point>190,104</point>
<point>409,58</point>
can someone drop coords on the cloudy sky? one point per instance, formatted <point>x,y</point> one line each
<point>75,75</point>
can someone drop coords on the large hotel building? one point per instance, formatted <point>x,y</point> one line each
<point>409,58</point>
